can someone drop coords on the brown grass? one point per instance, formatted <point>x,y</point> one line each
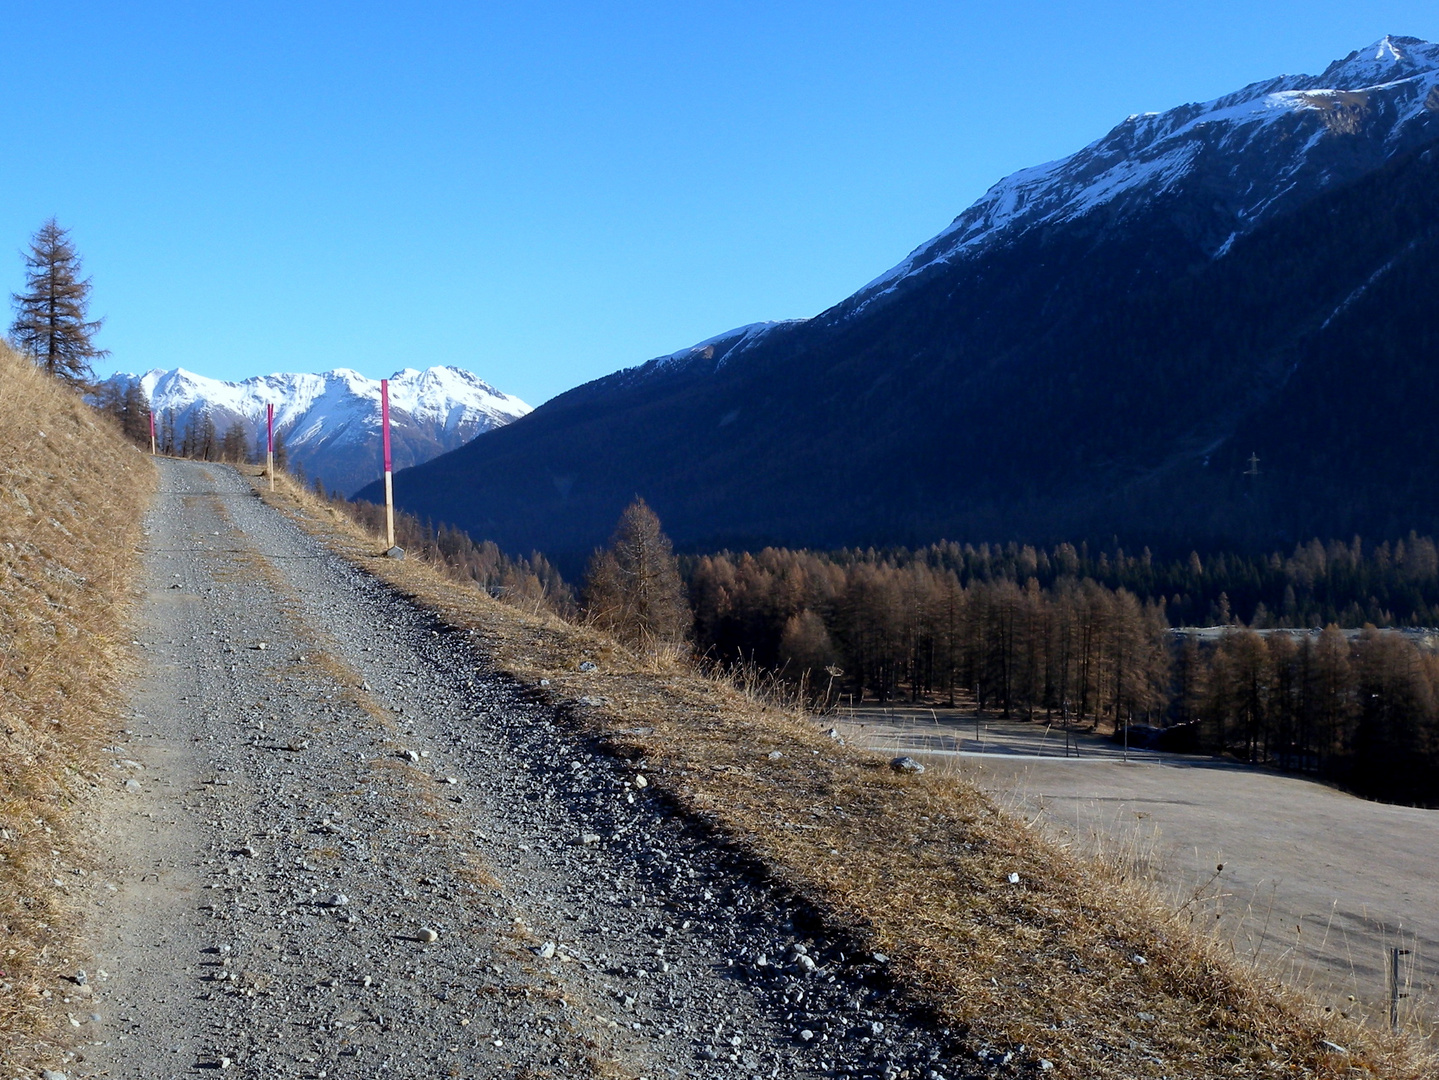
<point>1078,962</point>
<point>71,494</point>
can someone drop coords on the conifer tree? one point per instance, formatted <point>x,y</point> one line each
<point>50,315</point>
<point>633,587</point>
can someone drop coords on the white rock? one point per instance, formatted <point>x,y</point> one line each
<point>546,951</point>
<point>641,781</point>
<point>589,838</point>
<point>133,785</point>
<point>775,755</point>
<point>906,765</point>
<point>1014,879</point>
<point>425,933</point>
<point>806,1034</point>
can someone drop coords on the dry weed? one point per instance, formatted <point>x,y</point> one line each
<point>1007,936</point>
<point>71,494</point>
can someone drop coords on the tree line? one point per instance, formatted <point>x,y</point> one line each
<point>1392,583</point>
<point>1361,708</point>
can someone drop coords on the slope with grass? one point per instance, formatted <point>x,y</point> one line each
<point>71,491</point>
<point>1010,941</point>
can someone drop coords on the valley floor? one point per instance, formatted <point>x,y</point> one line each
<point>1317,884</point>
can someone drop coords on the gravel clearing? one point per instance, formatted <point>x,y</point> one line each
<point>340,845</point>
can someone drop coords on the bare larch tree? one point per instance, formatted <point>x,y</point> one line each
<point>50,315</point>
<point>633,587</point>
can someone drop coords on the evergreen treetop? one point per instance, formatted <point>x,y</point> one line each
<point>50,315</point>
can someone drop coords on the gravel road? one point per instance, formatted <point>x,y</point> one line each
<point>340,845</point>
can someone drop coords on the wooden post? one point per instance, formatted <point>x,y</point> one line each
<point>1394,994</point>
<point>270,443</point>
<point>389,486</point>
<point>152,434</point>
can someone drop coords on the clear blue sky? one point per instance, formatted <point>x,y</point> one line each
<point>546,192</point>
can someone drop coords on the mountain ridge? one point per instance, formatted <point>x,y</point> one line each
<point>330,421</point>
<point>1037,386</point>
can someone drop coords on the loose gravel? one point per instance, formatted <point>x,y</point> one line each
<point>341,845</point>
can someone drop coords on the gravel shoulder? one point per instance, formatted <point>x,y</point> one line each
<point>339,844</point>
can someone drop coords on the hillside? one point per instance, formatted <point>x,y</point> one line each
<point>915,893</point>
<point>1094,350</point>
<point>71,491</point>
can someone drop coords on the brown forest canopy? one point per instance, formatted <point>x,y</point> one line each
<point>951,625</point>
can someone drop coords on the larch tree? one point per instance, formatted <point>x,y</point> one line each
<point>633,587</point>
<point>50,325</point>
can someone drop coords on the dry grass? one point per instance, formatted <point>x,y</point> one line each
<point>1077,961</point>
<point>71,494</point>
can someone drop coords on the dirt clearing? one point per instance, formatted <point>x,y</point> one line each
<point>1317,885</point>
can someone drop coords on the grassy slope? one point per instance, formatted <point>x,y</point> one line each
<point>1082,968</point>
<point>71,494</point>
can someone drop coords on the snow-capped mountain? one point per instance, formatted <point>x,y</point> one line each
<point>1253,154</point>
<point>1096,348</point>
<point>330,422</point>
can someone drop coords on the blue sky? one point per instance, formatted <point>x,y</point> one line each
<point>547,192</point>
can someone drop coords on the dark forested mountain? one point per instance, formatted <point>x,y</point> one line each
<point>1214,325</point>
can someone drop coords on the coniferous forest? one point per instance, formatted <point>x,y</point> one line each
<point>1074,637</point>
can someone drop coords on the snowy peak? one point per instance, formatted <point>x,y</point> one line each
<point>1249,155</point>
<point>1388,60</point>
<point>330,420</point>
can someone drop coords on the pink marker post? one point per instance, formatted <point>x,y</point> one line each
<point>152,434</point>
<point>389,486</point>
<point>270,443</point>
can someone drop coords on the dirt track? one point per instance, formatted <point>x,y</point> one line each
<point>1316,883</point>
<point>339,845</point>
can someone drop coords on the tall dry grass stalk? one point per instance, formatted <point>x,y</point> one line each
<point>71,495</point>
<point>1074,958</point>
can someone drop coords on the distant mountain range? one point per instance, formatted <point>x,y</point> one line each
<point>1215,325</point>
<point>331,422</point>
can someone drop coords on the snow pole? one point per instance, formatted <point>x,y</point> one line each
<point>389,486</point>
<point>270,443</point>
<point>152,434</point>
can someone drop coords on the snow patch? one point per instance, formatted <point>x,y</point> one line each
<point>1150,153</point>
